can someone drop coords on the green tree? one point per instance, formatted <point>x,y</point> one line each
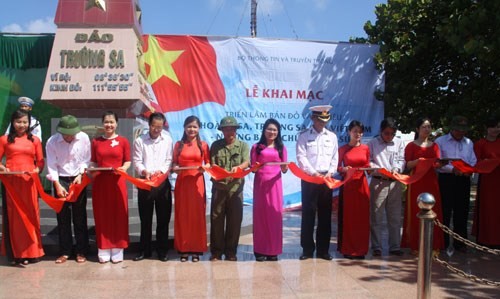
<point>441,58</point>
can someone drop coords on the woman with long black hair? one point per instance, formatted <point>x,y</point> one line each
<point>190,197</point>
<point>268,193</point>
<point>21,242</point>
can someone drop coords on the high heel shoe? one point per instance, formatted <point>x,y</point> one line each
<point>184,258</point>
<point>195,258</point>
<point>272,258</point>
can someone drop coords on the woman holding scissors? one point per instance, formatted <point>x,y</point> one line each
<point>268,192</point>
<point>191,155</point>
<point>21,240</point>
<point>109,191</point>
<point>354,197</point>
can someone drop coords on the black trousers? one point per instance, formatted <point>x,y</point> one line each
<point>226,214</point>
<point>159,199</point>
<point>78,212</point>
<point>316,200</point>
<point>455,196</point>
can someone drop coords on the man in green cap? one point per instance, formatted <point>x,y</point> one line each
<point>226,211</point>
<point>68,155</point>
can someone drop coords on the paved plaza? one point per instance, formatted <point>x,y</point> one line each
<point>374,277</point>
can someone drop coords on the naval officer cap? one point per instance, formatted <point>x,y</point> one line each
<point>25,101</point>
<point>321,112</point>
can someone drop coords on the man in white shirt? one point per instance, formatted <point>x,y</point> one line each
<point>153,156</point>
<point>386,151</point>
<point>453,184</point>
<point>68,155</point>
<point>26,104</point>
<point>317,155</point>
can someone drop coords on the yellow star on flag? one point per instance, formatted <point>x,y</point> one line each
<point>101,4</point>
<point>160,61</point>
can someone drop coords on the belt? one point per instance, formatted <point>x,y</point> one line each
<point>69,178</point>
<point>383,179</point>
<point>447,173</point>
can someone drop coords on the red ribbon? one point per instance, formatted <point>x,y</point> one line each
<point>329,181</point>
<point>422,167</point>
<point>218,173</point>
<point>483,166</point>
<point>52,202</point>
<point>155,181</point>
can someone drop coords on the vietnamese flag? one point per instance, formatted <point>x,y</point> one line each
<point>182,71</point>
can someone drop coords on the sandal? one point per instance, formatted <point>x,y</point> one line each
<point>80,258</point>
<point>195,258</point>
<point>62,259</point>
<point>184,258</point>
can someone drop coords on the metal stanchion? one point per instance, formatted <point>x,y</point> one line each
<point>425,202</point>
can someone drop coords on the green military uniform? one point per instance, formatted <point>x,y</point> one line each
<point>228,157</point>
<point>226,212</point>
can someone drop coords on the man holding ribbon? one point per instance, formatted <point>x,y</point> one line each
<point>317,155</point>
<point>152,157</point>
<point>453,184</point>
<point>386,151</point>
<point>226,211</point>
<point>68,155</point>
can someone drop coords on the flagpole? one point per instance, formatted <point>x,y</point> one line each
<point>253,19</point>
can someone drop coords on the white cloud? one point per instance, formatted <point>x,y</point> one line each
<point>12,28</point>
<point>42,25</point>
<point>45,25</point>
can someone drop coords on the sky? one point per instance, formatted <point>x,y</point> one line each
<point>318,20</point>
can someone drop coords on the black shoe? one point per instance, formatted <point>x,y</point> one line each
<point>377,252</point>
<point>231,258</point>
<point>215,257</point>
<point>272,258</point>
<point>141,256</point>
<point>396,252</point>
<point>325,256</point>
<point>162,257</point>
<point>305,257</point>
<point>260,258</point>
<point>354,257</point>
<point>33,260</point>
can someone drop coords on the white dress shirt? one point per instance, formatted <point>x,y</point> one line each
<point>153,154</point>
<point>317,152</point>
<point>388,155</point>
<point>67,159</point>
<point>455,149</point>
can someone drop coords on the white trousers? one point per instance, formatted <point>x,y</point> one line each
<point>113,254</point>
